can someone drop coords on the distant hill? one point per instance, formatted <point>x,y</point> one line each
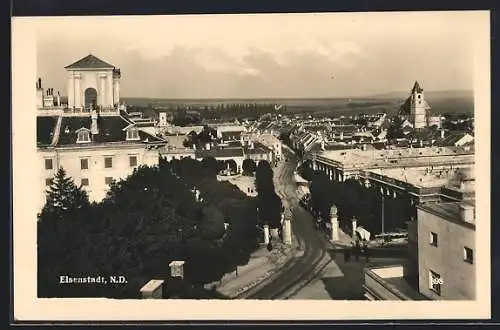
<point>452,94</point>
<point>440,102</point>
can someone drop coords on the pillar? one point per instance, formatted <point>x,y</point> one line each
<point>102,90</point>
<point>275,233</point>
<point>354,226</point>
<point>109,90</point>
<point>287,232</point>
<point>152,290</point>
<point>177,269</point>
<point>71,91</point>
<point>334,224</point>
<point>116,91</point>
<point>78,92</point>
<point>266,234</point>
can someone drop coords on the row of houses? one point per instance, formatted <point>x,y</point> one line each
<point>96,147</point>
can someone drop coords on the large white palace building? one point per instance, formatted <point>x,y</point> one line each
<point>91,135</point>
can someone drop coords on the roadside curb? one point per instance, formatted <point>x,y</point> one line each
<point>325,261</point>
<point>282,266</point>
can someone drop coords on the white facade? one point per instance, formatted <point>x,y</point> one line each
<point>442,245</point>
<point>72,159</point>
<point>273,143</point>
<point>83,84</point>
<point>163,119</point>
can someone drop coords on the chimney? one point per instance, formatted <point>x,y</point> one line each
<point>467,213</point>
<point>39,85</point>
<point>177,269</point>
<point>94,128</point>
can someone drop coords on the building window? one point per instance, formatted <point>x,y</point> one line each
<point>49,181</point>
<point>468,255</point>
<point>85,182</point>
<point>133,161</point>
<point>435,282</point>
<point>132,134</point>
<point>108,180</point>
<point>108,162</point>
<point>83,136</point>
<point>84,164</point>
<point>48,164</point>
<point>433,239</point>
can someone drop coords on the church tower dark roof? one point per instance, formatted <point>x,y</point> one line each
<point>405,108</point>
<point>416,88</point>
<point>90,62</point>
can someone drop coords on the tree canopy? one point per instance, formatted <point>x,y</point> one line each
<point>270,205</point>
<point>145,221</point>
<point>354,200</point>
<point>249,167</point>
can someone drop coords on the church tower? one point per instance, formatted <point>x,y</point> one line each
<point>418,107</point>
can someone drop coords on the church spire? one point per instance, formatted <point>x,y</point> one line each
<point>416,88</point>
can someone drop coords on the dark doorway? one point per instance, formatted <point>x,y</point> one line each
<point>90,98</point>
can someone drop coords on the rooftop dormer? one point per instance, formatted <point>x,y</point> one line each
<point>83,135</point>
<point>132,133</point>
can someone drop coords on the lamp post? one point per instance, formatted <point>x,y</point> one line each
<point>383,212</point>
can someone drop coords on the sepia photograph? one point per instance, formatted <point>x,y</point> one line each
<point>264,166</point>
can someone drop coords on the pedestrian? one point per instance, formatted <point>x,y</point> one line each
<point>347,255</point>
<point>357,250</point>
<point>367,254</point>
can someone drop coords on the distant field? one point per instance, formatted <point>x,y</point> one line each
<point>440,103</point>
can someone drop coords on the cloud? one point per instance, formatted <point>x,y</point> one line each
<point>265,56</point>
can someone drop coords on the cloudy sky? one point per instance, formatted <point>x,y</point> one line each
<point>259,56</point>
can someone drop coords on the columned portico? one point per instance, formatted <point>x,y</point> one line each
<point>92,74</point>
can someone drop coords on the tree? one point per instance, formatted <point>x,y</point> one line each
<point>270,204</point>
<point>210,164</point>
<point>231,165</point>
<point>63,196</point>
<point>249,167</point>
<point>395,130</point>
<point>147,220</point>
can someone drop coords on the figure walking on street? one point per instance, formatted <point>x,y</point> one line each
<point>347,255</point>
<point>367,254</point>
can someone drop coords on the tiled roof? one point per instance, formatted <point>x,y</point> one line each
<point>344,128</point>
<point>453,138</point>
<point>258,148</point>
<point>231,134</point>
<point>176,141</point>
<point>220,153</point>
<point>89,62</point>
<point>45,129</point>
<point>403,143</point>
<point>144,124</point>
<point>416,88</point>
<point>405,109</point>
<point>110,130</point>
<point>425,134</point>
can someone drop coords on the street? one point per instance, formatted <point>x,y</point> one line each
<point>302,269</point>
<point>318,270</point>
